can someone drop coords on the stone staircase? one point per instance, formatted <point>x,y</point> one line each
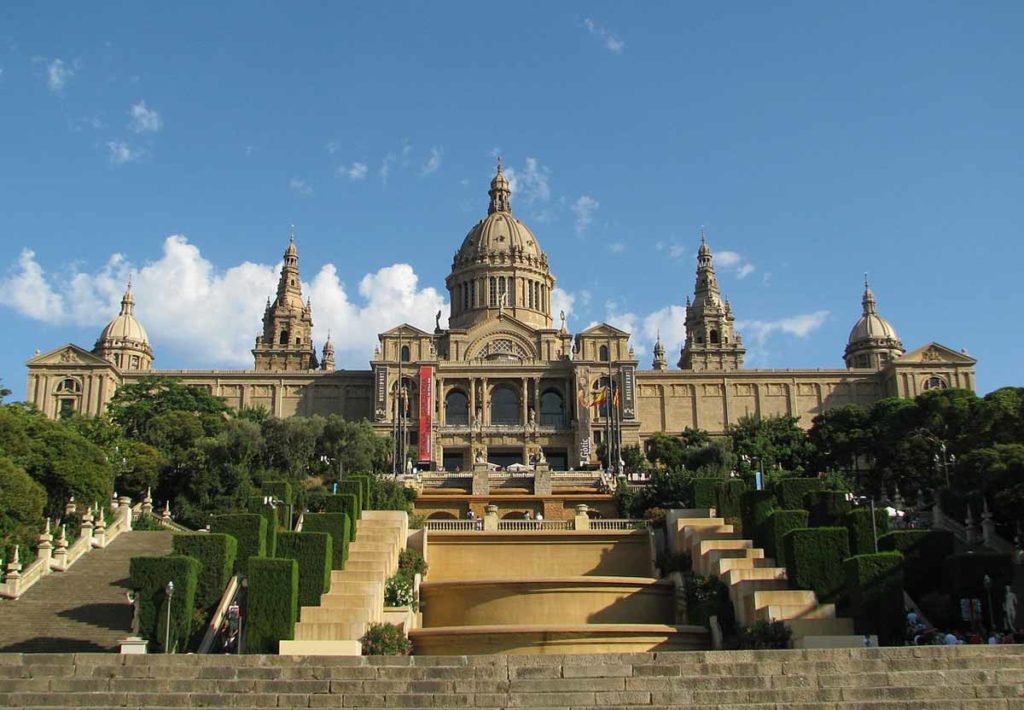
<point>759,590</point>
<point>933,677</point>
<point>82,609</point>
<point>356,598</point>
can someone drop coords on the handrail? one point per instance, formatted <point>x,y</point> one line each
<point>217,619</point>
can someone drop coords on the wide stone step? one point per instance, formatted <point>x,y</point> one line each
<point>735,576</point>
<point>821,627</point>
<point>329,631</point>
<point>374,565</point>
<point>722,565</point>
<point>783,612</point>
<point>346,588</point>
<point>357,575</point>
<point>326,614</point>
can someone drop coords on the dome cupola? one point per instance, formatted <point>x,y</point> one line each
<point>873,341</point>
<point>124,341</point>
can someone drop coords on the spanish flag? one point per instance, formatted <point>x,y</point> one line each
<point>601,397</point>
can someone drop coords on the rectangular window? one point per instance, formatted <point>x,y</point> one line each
<point>492,296</point>
<point>66,408</point>
<point>511,291</point>
<point>472,294</point>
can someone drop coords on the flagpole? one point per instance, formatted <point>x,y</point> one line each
<point>608,411</point>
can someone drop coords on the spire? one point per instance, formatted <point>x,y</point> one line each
<point>128,300</point>
<point>869,298</point>
<point>659,363</point>
<point>327,363</point>
<point>292,252</point>
<point>500,193</point>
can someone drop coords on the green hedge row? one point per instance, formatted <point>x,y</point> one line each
<point>338,526</point>
<point>792,492</point>
<point>258,507</point>
<point>775,528</point>
<point>814,560</point>
<point>728,494</point>
<point>704,492</point>
<point>924,552</point>
<point>281,490</point>
<point>250,529</point>
<point>149,577</point>
<point>272,602</point>
<point>874,584</point>
<point>312,552</point>
<point>755,507</point>
<point>354,488</point>
<point>827,508</point>
<point>343,503</point>
<point>862,535</point>
<point>216,555</point>
<point>365,488</point>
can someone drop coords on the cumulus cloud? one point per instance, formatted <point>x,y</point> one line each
<point>670,323</point>
<point>355,171</point>
<point>562,301</point>
<point>120,153</point>
<point>58,74</point>
<point>300,186</point>
<point>673,249</point>
<point>584,209</point>
<point>432,163</point>
<point>210,317</point>
<point>734,262</point>
<point>530,183</point>
<point>144,119</point>
<point>758,331</point>
<point>616,247</point>
<point>610,41</point>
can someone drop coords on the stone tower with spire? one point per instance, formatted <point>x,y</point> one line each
<point>287,340</point>
<point>660,361</point>
<point>327,363</point>
<point>712,343</point>
<point>873,342</point>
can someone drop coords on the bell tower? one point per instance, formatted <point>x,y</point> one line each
<point>712,343</point>
<point>287,340</point>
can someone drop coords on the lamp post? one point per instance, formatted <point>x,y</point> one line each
<point>943,459</point>
<point>167,630</point>
<point>987,581</point>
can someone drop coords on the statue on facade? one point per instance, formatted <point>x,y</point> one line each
<point>533,417</point>
<point>480,457</point>
<point>1010,609</point>
<point>133,599</point>
<point>437,322</point>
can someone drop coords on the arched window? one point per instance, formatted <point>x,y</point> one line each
<point>713,337</point>
<point>935,383</point>
<point>603,353</point>
<point>456,408</point>
<point>505,405</point>
<point>283,340</point>
<point>405,353</point>
<point>69,385</point>
<point>552,408</point>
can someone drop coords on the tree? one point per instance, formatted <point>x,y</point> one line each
<point>4,392</point>
<point>776,442</point>
<point>839,438</point>
<point>21,507</point>
<point>352,446</point>
<point>133,406</point>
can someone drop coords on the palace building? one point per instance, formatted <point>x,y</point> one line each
<point>506,383</point>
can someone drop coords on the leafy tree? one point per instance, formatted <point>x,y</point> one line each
<point>21,507</point>
<point>133,406</point>
<point>291,444</point>
<point>4,392</point>
<point>777,442</point>
<point>352,447</point>
<point>839,438</point>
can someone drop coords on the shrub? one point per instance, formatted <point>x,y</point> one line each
<point>776,526</point>
<point>827,508</point>
<point>963,577</point>
<point>257,506</point>
<point>312,552</point>
<point>364,487</point>
<point>216,554</point>
<point>791,492</point>
<point>273,603</point>
<point>353,488</point>
<point>728,494</point>
<point>385,640</point>
<point>763,635</point>
<point>707,597</point>
<point>755,507</point>
<point>343,503</point>
<point>281,490</point>
<point>337,525</point>
<point>874,584</point>
<point>704,492</point>
<point>411,563</point>
<point>149,577</point>
<point>924,552</point>
<point>398,591</point>
<point>250,529</point>
<point>862,536</point>
<point>814,560</point>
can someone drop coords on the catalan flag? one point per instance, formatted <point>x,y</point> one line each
<point>615,399</point>
<point>601,397</point>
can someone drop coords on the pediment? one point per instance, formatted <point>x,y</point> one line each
<point>405,330</point>
<point>935,353</point>
<point>68,355</point>
<point>604,330</point>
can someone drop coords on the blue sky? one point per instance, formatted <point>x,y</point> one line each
<point>814,141</point>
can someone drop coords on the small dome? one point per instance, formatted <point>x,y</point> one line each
<point>125,328</point>
<point>871,326</point>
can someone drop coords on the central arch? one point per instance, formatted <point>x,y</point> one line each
<point>505,405</point>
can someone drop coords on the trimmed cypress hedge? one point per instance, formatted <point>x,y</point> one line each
<point>250,529</point>
<point>755,507</point>
<point>338,526</point>
<point>776,526</point>
<point>874,584</point>
<point>216,554</point>
<point>858,522</point>
<point>814,560</point>
<point>727,497</point>
<point>827,508</point>
<point>924,552</point>
<point>354,488</point>
<point>258,507</point>
<point>344,503</point>
<point>149,577</point>
<point>704,492</point>
<point>364,488</point>
<point>312,552</point>
<point>281,490</point>
<point>273,603</point>
<point>792,492</point>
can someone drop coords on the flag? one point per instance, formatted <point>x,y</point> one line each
<point>601,398</point>
<point>615,399</point>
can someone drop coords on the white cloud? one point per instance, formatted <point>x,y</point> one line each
<point>300,186</point>
<point>561,302</point>
<point>209,317</point>
<point>332,147</point>
<point>616,247</point>
<point>672,248</point>
<point>530,183</point>
<point>145,119</point>
<point>58,74</point>
<point>610,41</point>
<point>584,209</point>
<point>432,163</point>
<point>355,171</point>
<point>670,323</point>
<point>120,153</point>
<point>734,262</point>
<point>801,326</point>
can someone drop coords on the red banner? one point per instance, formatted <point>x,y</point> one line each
<point>426,435</point>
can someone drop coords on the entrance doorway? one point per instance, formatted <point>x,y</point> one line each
<point>452,460</point>
<point>504,457</point>
<point>558,459</point>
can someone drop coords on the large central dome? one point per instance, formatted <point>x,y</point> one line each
<point>500,268</point>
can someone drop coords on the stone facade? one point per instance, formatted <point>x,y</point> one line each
<point>506,382</point>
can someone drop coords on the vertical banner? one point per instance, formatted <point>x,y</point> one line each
<point>583,421</point>
<point>628,392</point>
<point>380,393</point>
<point>426,436</point>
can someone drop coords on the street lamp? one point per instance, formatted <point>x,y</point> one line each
<point>944,459</point>
<point>987,581</point>
<point>167,630</point>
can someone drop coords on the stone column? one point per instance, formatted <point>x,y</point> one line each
<point>100,531</point>
<point>45,548</point>
<point>481,480</point>
<point>541,482</point>
<point>582,519</point>
<point>147,503</point>
<point>13,576</point>
<point>60,553</point>
<point>124,510</point>
<point>87,524</point>
<point>988,526</point>
<point>491,518</point>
